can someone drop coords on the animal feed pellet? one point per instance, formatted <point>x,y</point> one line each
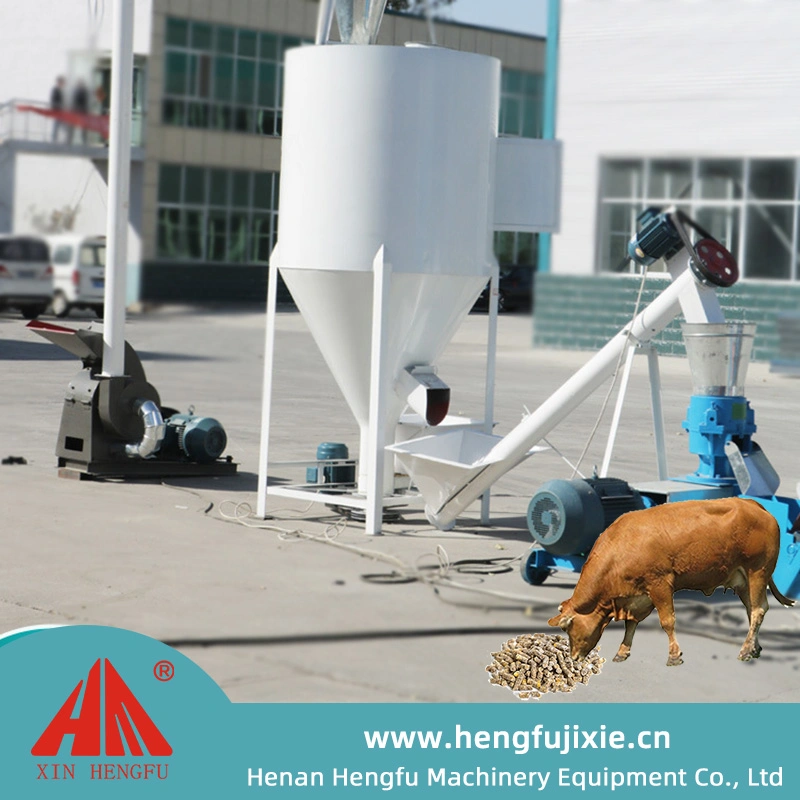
<point>532,664</point>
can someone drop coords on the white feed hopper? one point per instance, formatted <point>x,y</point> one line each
<point>388,154</point>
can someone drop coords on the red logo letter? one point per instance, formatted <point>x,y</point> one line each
<point>85,727</point>
<point>119,700</point>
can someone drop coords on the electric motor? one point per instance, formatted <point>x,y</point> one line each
<point>200,439</point>
<point>566,517</point>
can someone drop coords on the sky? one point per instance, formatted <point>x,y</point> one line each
<point>523,16</point>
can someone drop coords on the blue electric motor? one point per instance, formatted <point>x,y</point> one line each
<point>199,439</point>
<point>343,473</point>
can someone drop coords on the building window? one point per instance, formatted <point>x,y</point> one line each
<point>216,215</point>
<point>521,104</point>
<point>515,248</point>
<point>751,205</point>
<point>223,78</point>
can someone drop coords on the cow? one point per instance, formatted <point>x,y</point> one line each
<point>645,556</point>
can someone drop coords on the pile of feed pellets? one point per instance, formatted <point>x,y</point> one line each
<point>532,664</point>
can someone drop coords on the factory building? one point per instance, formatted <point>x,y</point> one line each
<point>684,103</point>
<point>205,175</point>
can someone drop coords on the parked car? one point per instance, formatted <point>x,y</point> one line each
<point>514,291</point>
<point>79,264</point>
<point>26,277</point>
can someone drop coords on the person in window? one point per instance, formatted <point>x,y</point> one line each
<point>57,104</point>
<point>80,105</point>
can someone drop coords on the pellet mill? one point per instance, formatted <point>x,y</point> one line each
<point>393,178</point>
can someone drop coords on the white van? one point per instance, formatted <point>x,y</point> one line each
<point>79,265</point>
<point>26,277</point>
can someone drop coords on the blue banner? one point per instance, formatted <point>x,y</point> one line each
<point>102,712</point>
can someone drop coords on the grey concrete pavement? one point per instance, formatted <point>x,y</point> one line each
<point>273,617</point>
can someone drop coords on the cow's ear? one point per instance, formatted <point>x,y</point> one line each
<point>562,621</point>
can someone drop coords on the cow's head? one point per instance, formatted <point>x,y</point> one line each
<point>584,630</point>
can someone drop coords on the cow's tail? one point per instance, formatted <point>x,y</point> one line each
<point>778,596</point>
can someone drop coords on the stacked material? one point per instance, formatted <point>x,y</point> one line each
<point>532,664</point>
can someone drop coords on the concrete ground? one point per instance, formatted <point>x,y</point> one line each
<point>277,616</point>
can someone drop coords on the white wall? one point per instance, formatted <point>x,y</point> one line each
<point>669,77</point>
<point>45,183</point>
<point>36,36</point>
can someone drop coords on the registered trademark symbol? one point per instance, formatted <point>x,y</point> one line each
<point>164,670</point>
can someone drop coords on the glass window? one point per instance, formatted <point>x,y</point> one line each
<point>525,249</point>
<point>720,179</point>
<point>169,184</point>
<point>248,41</point>
<point>217,236</point>
<point>226,40</point>
<point>197,115</point>
<point>504,247</point>
<point>194,190</point>
<point>218,195</point>
<point>223,78</point>
<point>173,112</point>
<point>245,81</point>
<point>618,224</point>
<point>261,238</point>
<point>266,84</point>
<point>194,234</point>
<point>62,254</point>
<point>622,179</point>
<point>93,255</point>
<point>510,116</point>
<point>238,72</point>
<point>201,37</point>
<point>240,194</point>
<point>268,47</point>
<point>521,106</point>
<point>237,242</point>
<point>222,216</point>
<point>771,179</point>
<point>670,180</point>
<point>262,190</point>
<point>177,32</point>
<point>177,71</point>
<point>768,253</point>
<point>169,238</point>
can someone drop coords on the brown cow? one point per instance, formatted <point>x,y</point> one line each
<point>645,556</point>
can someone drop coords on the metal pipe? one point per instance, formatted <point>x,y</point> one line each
<point>491,365</point>
<point>324,21</point>
<point>513,448</point>
<point>154,430</point>
<point>623,389</point>
<point>658,412</point>
<point>119,169</point>
<point>266,395</point>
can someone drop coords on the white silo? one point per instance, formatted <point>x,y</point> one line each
<point>386,214</point>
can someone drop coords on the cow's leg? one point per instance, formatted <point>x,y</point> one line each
<point>757,601</point>
<point>625,648</point>
<point>661,595</point>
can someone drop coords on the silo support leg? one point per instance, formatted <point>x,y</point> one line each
<point>382,274</point>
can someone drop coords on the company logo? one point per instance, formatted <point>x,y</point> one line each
<point>113,710</point>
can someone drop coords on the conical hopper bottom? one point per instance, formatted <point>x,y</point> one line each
<point>423,313</point>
